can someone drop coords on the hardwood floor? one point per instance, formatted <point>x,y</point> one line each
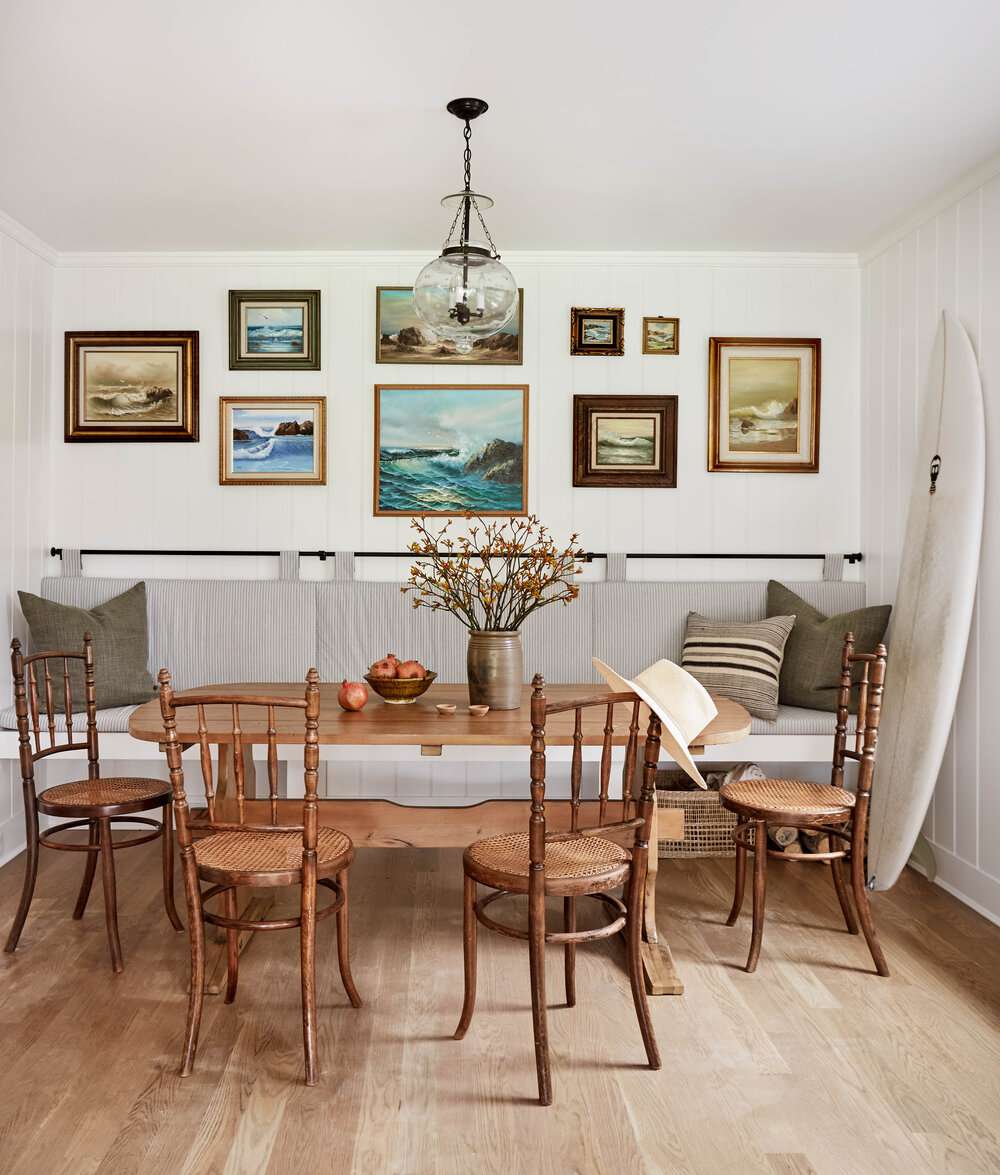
<point>813,1064</point>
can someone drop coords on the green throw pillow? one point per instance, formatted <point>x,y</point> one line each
<point>120,640</point>
<point>810,673</point>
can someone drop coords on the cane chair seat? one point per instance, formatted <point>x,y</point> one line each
<point>790,800</point>
<point>278,854</point>
<point>104,796</point>
<point>503,862</point>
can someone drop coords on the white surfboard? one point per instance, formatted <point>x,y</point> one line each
<point>934,601</point>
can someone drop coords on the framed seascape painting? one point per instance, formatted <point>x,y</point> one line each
<point>661,336</point>
<point>443,449</point>
<point>400,337</point>
<point>131,385</point>
<point>274,330</point>
<point>763,405</point>
<point>272,440</point>
<point>594,331</point>
<point>625,441</point>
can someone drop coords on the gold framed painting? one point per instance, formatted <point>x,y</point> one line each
<point>451,449</point>
<point>596,330</point>
<point>763,405</point>
<point>274,330</point>
<point>272,440</point>
<point>661,336</point>
<point>400,336</point>
<point>131,385</point>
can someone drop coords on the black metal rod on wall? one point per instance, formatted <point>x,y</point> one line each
<point>589,556</point>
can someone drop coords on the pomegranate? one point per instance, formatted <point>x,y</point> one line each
<point>352,695</point>
<point>410,669</point>
<point>384,668</point>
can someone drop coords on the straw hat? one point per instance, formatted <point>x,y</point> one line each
<point>681,703</point>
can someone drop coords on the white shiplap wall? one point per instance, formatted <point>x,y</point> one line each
<point>949,261</point>
<point>168,495</point>
<point>25,426</point>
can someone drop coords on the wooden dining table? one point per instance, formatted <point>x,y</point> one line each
<point>498,736</point>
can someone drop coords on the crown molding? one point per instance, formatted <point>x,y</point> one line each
<point>922,213</point>
<point>24,236</point>
<point>548,259</point>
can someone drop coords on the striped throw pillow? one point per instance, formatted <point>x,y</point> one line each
<point>738,661</point>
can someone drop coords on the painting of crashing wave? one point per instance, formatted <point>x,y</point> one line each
<point>267,441</point>
<point>134,385</point>
<point>276,330</point>
<point>451,450</point>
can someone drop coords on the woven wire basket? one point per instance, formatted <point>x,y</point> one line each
<point>708,827</point>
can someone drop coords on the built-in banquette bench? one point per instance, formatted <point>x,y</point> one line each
<point>213,631</point>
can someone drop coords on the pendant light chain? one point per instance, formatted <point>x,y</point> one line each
<point>470,199</point>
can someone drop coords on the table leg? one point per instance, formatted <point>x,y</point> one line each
<point>657,961</point>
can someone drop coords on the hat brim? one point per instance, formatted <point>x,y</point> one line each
<point>670,735</point>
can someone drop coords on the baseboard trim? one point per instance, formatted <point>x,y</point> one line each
<point>958,878</point>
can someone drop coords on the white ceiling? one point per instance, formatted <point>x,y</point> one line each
<point>643,124</point>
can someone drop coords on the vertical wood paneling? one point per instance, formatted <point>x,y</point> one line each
<point>950,262</point>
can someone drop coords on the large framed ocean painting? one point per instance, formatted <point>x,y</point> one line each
<point>400,336</point>
<point>445,449</point>
<point>274,330</point>
<point>267,440</point>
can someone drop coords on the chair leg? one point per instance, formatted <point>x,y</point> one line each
<point>469,928</point>
<point>232,945</point>
<point>569,923</point>
<point>741,883</point>
<point>860,892</point>
<point>88,873</point>
<point>344,944</point>
<point>196,935</point>
<point>110,894</point>
<point>30,873</point>
<point>536,960</point>
<point>636,974</point>
<point>168,868</point>
<point>759,891</point>
<point>840,885</point>
<point>308,964</point>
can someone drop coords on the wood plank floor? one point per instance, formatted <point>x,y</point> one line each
<point>812,1064</point>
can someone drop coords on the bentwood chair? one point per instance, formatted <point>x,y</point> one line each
<point>582,862</point>
<point>238,852</point>
<point>823,808</point>
<point>92,803</point>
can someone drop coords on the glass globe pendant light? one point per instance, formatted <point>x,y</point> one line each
<point>466,294</point>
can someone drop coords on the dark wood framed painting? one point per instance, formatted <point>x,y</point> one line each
<point>625,441</point>
<point>763,405</point>
<point>400,336</point>
<point>272,440</point>
<point>274,330</point>
<point>661,336</point>
<point>131,385</point>
<point>594,331</point>
<point>451,449</point>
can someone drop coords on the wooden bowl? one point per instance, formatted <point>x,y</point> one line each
<point>400,691</point>
<point>479,711</point>
<point>446,708</point>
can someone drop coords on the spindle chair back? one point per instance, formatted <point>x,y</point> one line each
<point>35,686</point>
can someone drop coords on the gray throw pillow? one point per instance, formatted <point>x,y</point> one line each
<point>810,675</point>
<point>739,661</point>
<point>120,640</point>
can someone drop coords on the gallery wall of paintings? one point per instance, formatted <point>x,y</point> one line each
<point>325,415</point>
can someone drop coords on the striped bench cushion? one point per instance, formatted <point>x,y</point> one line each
<point>738,661</point>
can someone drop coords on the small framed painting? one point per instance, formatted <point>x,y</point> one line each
<point>661,336</point>
<point>625,441</point>
<point>274,330</point>
<point>131,385</point>
<point>443,449</point>
<point>596,332</point>
<point>400,336</point>
<point>272,441</point>
<point>763,405</point>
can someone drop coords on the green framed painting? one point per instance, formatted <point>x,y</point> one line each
<point>274,330</point>
<point>400,336</point>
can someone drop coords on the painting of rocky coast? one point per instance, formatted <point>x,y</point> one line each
<point>400,337</point>
<point>448,450</point>
<point>277,442</point>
